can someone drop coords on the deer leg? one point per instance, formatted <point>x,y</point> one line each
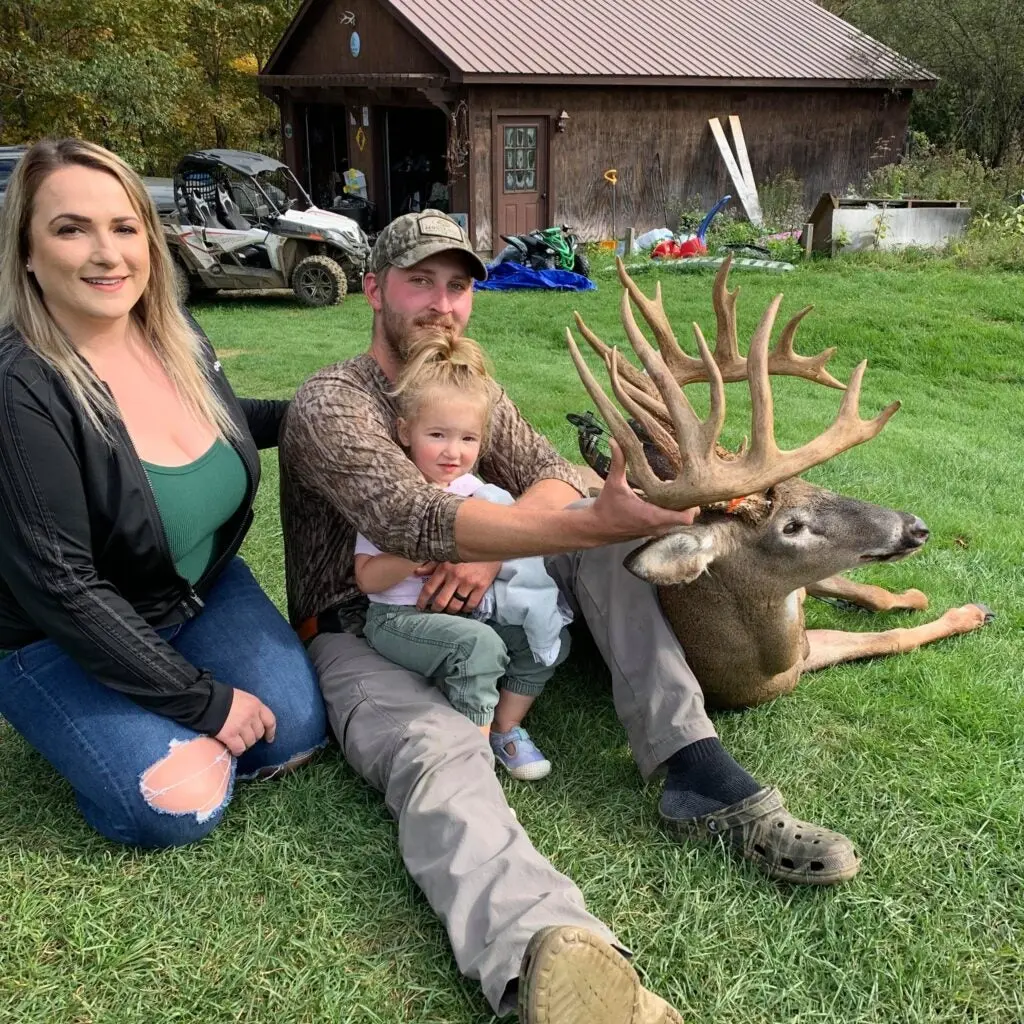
<point>832,646</point>
<point>864,595</point>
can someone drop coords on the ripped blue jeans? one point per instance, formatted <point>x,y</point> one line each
<point>106,745</point>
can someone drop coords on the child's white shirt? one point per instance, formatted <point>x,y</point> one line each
<point>523,594</point>
<point>407,591</point>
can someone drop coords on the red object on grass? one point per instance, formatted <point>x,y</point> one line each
<point>670,249</point>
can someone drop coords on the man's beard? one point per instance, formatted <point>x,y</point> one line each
<point>400,332</point>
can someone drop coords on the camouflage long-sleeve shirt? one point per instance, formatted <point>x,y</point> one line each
<point>344,472</point>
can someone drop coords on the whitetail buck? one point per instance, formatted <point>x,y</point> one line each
<point>732,586</point>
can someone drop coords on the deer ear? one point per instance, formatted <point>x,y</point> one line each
<point>678,557</point>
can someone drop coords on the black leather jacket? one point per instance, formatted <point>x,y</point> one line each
<point>83,555</point>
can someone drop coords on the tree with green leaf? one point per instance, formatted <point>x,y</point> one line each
<point>976,47</point>
<point>150,80</point>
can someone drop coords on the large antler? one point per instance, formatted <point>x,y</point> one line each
<point>704,474</point>
<point>782,360</point>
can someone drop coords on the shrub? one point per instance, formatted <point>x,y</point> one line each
<point>933,173</point>
<point>782,202</point>
<point>683,216</point>
<point>993,241</point>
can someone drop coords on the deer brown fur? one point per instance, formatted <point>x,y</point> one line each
<point>732,586</point>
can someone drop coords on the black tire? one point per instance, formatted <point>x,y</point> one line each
<point>319,281</point>
<point>182,285</point>
<point>510,254</point>
<point>581,265</point>
<point>188,291</point>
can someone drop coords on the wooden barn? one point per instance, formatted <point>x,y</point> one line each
<point>509,112</point>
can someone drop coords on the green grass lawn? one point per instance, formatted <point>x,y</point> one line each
<point>298,909</point>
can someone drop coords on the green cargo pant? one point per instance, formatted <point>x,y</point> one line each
<point>467,659</point>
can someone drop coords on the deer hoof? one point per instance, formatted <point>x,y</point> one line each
<point>987,612</point>
<point>969,617</point>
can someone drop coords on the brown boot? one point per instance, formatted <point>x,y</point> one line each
<point>570,976</point>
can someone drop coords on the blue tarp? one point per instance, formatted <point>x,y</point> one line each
<point>507,276</point>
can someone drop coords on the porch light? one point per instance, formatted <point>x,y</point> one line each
<point>562,122</point>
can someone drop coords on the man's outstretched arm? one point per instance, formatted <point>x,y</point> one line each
<point>485,532</point>
<point>550,494</point>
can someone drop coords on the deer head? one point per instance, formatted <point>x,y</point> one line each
<point>801,535</point>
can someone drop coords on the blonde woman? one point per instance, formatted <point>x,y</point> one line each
<point>140,657</point>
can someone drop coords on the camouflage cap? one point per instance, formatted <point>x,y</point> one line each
<point>415,236</point>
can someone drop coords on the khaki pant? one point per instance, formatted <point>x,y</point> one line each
<point>457,835</point>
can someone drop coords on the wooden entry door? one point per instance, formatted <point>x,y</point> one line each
<point>521,175</point>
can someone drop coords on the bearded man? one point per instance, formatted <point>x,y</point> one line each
<point>515,924</point>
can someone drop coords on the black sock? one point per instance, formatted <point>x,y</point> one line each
<point>703,777</point>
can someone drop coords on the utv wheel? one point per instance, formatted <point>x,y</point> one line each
<point>581,265</point>
<point>187,291</point>
<point>182,285</point>
<point>319,281</point>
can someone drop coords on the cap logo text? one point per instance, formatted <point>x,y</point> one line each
<point>439,227</point>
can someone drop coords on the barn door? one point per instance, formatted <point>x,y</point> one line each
<point>521,181</point>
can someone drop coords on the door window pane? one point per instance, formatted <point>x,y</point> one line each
<point>520,158</point>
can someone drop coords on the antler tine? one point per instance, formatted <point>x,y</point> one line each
<point>846,431</point>
<point>684,420</point>
<point>680,365</point>
<point>762,440</point>
<point>662,439</point>
<point>849,408</point>
<point>650,413</point>
<point>727,352</point>
<point>651,405</point>
<point>783,360</point>
<point>712,426</point>
<point>633,375</point>
<point>628,441</point>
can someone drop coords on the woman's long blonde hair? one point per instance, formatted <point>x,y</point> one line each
<point>157,314</point>
<point>440,360</point>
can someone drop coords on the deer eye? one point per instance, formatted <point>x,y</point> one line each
<point>792,528</point>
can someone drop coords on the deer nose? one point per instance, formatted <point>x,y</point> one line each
<point>917,531</point>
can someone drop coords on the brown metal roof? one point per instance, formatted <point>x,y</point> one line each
<point>372,79</point>
<point>779,40</point>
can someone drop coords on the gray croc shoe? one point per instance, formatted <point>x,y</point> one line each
<point>571,976</point>
<point>763,831</point>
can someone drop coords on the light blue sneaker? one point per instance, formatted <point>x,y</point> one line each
<point>518,754</point>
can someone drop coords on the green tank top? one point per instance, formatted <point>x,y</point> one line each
<point>195,501</point>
